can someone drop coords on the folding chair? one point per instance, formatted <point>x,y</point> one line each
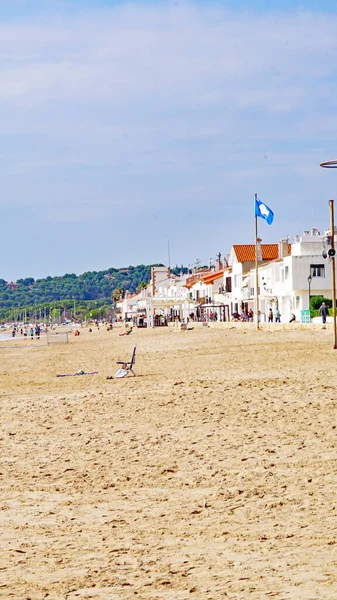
<point>126,367</point>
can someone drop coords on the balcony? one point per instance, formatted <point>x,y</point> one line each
<point>245,293</point>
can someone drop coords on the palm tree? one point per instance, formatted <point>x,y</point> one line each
<point>118,294</point>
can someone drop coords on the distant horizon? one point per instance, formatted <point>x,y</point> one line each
<point>181,266</point>
<point>176,265</point>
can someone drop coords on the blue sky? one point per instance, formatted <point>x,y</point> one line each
<point>127,125</point>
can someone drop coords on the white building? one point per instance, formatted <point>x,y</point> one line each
<point>242,261</point>
<point>288,275</point>
<point>288,281</point>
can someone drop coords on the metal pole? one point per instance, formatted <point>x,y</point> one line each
<point>333,273</point>
<point>309,295</point>
<point>256,278</point>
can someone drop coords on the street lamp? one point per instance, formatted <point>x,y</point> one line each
<point>309,279</point>
<point>332,164</point>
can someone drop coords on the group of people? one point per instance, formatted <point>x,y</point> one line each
<point>271,316</point>
<point>244,316</point>
<point>323,311</point>
<point>27,333</point>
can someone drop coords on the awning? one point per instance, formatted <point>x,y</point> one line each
<point>213,305</point>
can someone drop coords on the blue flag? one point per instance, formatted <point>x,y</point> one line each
<point>263,211</point>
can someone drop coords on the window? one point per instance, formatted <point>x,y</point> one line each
<point>237,280</point>
<point>317,270</point>
<point>297,302</point>
<point>286,272</point>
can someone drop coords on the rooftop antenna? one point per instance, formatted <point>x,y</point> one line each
<point>168,254</point>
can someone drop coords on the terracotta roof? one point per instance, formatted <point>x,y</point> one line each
<point>198,276</point>
<point>246,252</point>
<point>213,276</point>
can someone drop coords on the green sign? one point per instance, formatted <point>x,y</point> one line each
<point>305,316</point>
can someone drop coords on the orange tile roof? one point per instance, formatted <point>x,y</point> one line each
<point>246,252</point>
<point>197,276</point>
<point>213,276</point>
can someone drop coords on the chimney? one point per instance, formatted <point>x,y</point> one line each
<point>283,248</point>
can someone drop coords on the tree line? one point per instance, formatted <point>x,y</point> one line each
<point>88,291</point>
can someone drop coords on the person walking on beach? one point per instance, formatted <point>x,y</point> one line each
<point>277,316</point>
<point>324,312</point>
<point>31,333</point>
<point>270,316</point>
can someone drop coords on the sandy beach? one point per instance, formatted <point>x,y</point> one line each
<point>210,475</point>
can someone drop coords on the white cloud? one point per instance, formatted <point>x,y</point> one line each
<point>181,56</point>
<point>148,105</point>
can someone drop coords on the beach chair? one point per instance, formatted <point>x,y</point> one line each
<point>126,332</point>
<point>127,366</point>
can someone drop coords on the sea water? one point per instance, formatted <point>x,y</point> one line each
<point>5,337</point>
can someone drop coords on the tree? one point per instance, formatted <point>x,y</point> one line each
<point>92,285</point>
<point>141,286</point>
<point>316,301</point>
<point>118,294</point>
<point>27,281</point>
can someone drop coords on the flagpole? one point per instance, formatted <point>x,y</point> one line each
<point>256,275</point>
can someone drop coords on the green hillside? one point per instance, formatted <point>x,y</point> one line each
<point>92,288</point>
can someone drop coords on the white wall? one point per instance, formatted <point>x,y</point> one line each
<point>287,282</point>
<point>236,284</point>
<point>200,290</point>
<point>160,276</point>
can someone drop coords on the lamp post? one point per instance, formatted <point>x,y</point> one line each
<point>332,164</point>
<point>309,284</point>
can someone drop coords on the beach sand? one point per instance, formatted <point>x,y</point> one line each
<point>210,475</point>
